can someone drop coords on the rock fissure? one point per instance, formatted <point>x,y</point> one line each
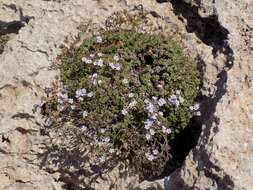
<point>212,33</point>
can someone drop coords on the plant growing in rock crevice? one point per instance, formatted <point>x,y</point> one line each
<point>129,93</point>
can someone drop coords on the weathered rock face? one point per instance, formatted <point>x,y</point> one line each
<point>218,33</point>
<point>223,156</point>
<point>37,31</point>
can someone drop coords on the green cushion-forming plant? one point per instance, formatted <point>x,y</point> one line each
<point>130,93</point>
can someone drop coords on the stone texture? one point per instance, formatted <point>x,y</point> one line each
<point>223,158</point>
<point>26,68</point>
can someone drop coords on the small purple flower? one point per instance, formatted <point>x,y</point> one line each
<point>161,102</point>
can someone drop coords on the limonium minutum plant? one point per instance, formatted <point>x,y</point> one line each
<point>129,93</point>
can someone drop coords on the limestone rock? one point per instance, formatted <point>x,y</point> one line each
<point>223,158</point>
<point>217,33</point>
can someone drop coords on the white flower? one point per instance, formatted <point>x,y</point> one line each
<point>168,131</point>
<point>153,117</point>
<point>198,113</point>
<point>111,150</point>
<point>160,113</point>
<point>85,114</point>
<point>124,111</point>
<point>150,157</point>
<point>161,102</point>
<point>70,100</point>
<point>165,130</point>
<point>160,86</point>
<point>65,96</point>
<point>59,94</point>
<point>155,152</point>
<point>196,106</point>
<point>132,104</point>
<point>62,95</point>
<point>100,54</point>
<point>100,143</point>
<point>80,99</point>
<point>94,78</point>
<point>131,95</point>
<point>115,66</point>
<point>80,92</point>
<point>125,81</point>
<point>173,100</point>
<point>83,128</point>
<point>99,62</point>
<point>106,139</point>
<point>148,136</point>
<point>154,98</point>
<point>111,65</point>
<point>94,81</point>
<point>83,90</point>
<point>60,108</point>
<point>181,99</point>
<point>73,107</point>
<point>92,55</point>
<point>90,94</point>
<point>152,132</point>
<point>100,81</point>
<point>102,159</point>
<point>150,107</point>
<point>60,101</point>
<point>146,101</point>
<point>99,39</point>
<point>86,60</point>
<point>102,130</point>
<point>116,57</point>
<point>178,92</point>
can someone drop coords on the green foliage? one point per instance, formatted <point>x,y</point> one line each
<point>150,69</point>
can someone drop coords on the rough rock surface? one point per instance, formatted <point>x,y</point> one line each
<point>218,33</point>
<point>223,158</point>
